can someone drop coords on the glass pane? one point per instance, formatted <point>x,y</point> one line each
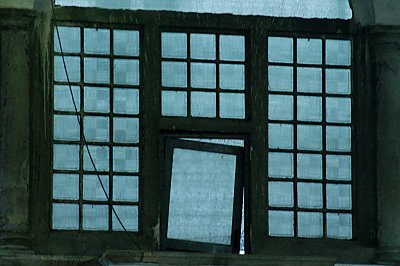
<point>228,142</point>
<point>309,166</point>
<point>338,138</point>
<point>201,197</point>
<point>97,70</point>
<point>126,101</point>
<point>309,51</point>
<point>231,77</point>
<point>280,223</point>
<point>65,216</point>
<point>231,48</point>
<point>280,49</point>
<point>338,52</point>
<point>202,46</point>
<point>309,195</point>
<point>126,72</point>
<point>66,127</point>
<point>97,99</point>
<point>92,189</point>
<point>174,103</point>
<point>280,107</point>
<point>65,186</point>
<point>338,81</point>
<point>63,99</point>
<point>310,224</point>
<point>280,78</point>
<point>73,65</point>
<point>65,157</point>
<point>126,130</point>
<point>339,225</point>
<point>126,42</point>
<point>70,39</point>
<point>309,108</point>
<point>100,158</point>
<point>309,79</point>
<point>203,75</point>
<point>280,194</point>
<point>174,74</point>
<point>338,197</point>
<point>97,41</point>
<point>126,188</point>
<point>280,165</point>
<point>203,104</point>
<point>126,159</point>
<point>280,136</point>
<point>128,216</point>
<point>309,137</point>
<point>96,128</point>
<point>338,110</point>
<point>174,45</point>
<point>338,167</point>
<point>232,105</point>
<point>95,217</point>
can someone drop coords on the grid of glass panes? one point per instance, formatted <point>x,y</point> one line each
<point>203,75</point>
<point>309,137</point>
<point>103,70</point>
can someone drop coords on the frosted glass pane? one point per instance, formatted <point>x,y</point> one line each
<point>70,39</point>
<point>280,165</point>
<point>97,41</point>
<point>65,157</point>
<point>201,197</point>
<point>309,51</point>
<point>126,159</point>
<point>174,103</point>
<point>309,79</point>
<point>310,224</point>
<point>92,189</point>
<point>126,130</point>
<point>338,81</point>
<point>280,194</point>
<point>339,225</point>
<point>126,101</point>
<point>280,223</point>
<point>126,72</point>
<point>100,157</point>
<point>338,197</point>
<point>126,188</point>
<point>66,127</point>
<point>332,9</point>
<point>280,107</point>
<point>309,195</point>
<point>96,128</point>
<point>309,137</point>
<point>203,104</point>
<point>280,49</point>
<point>229,142</point>
<point>97,70</point>
<point>173,45</point>
<point>280,136</point>
<point>65,216</point>
<point>338,110</point>
<point>338,52</point>
<point>174,74</point>
<point>338,138</point>
<point>338,167</point>
<point>66,186</point>
<point>309,166</point>
<point>231,47</point>
<point>231,77</point>
<point>309,108</point>
<point>202,46</point>
<point>97,99</point>
<point>232,105</point>
<point>63,99</point>
<point>95,217</point>
<point>126,42</point>
<point>73,64</point>
<point>280,78</point>
<point>203,75</point>
<point>128,216</point>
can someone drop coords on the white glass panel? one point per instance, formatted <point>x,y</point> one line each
<point>280,223</point>
<point>309,195</point>
<point>97,41</point>
<point>202,46</point>
<point>97,99</point>
<point>70,39</point>
<point>203,75</point>
<point>280,136</point>
<point>338,167</point>
<point>280,194</point>
<point>280,165</point>
<point>309,108</point>
<point>95,217</point>
<point>126,42</point>
<point>309,166</point>
<point>309,51</point>
<point>66,186</point>
<point>173,45</point>
<point>280,107</point>
<point>174,103</point>
<point>338,138</point>
<point>66,127</point>
<point>203,104</point>
<point>231,77</point>
<point>73,65</point>
<point>126,71</point>
<point>309,79</point>
<point>126,130</point>
<point>100,156</point>
<point>338,81</point>
<point>128,216</point>
<point>174,74</point>
<point>126,159</point>
<point>229,142</point>
<point>63,99</point>
<point>338,110</point>
<point>97,70</point>
<point>280,78</point>
<point>126,101</point>
<point>65,216</point>
<point>339,225</point>
<point>232,105</point>
<point>96,128</point>
<point>338,52</point>
<point>310,224</point>
<point>65,157</point>
<point>92,189</point>
<point>338,197</point>
<point>280,49</point>
<point>231,48</point>
<point>126,188</point>
<point>309,137</point>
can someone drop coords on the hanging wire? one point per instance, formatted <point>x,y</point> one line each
<point>81,125</point>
